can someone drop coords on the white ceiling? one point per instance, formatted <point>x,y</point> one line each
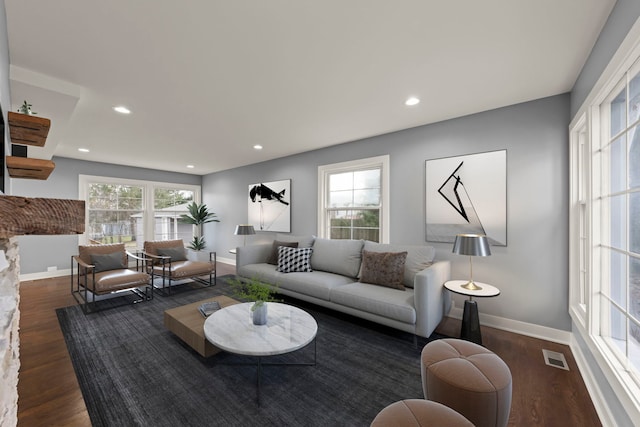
<point>206,80</point>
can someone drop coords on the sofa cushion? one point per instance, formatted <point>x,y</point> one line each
<point>273,257</point>
<point>303,241</point>
<point>317,284</point>
<point>380,300</point>
<point>337,256</point>
<point>176,254</point>
<point>383,268</point>
<point>105,262</point>
<point>418,257</point>
<point>294,259</point>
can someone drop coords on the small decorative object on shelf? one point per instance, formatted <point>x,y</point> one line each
<point>208,308</point>
<point>25,108</point>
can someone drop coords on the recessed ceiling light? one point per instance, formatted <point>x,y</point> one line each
<point>257,147</point>
<point>190,166</point>
<point>83,150</point>
<point>412,101</point>
<point>122,109</point>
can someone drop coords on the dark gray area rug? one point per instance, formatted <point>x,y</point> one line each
<point>134,372</point>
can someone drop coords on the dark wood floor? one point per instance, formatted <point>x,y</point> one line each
<point>49,393</point>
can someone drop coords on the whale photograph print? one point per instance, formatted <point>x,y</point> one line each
<point>270,206</point>
<point>467,194</point>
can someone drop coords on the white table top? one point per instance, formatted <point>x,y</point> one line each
<point>486,291</point>
<point>288,329</point>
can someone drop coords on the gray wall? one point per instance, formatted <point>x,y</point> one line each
<point>531,271</point>
<point>39,252</point>
<point>621,19</point>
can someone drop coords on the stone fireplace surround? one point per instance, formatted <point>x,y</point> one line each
<point>24,216</point>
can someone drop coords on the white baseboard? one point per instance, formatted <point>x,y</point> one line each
<point>45,275</point>
<point>518,327</point>
<point>229,261</point>
<point>594,390</point>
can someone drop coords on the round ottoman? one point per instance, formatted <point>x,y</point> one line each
<point>469,379</point>
<point>418,412</point>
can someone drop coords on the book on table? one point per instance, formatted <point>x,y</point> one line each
<point>207,308</point>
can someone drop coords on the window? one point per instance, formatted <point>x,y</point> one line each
<point>354,200</point>
<point>617,152</point>
<point>169,204</point>
<point>605,224</point>
<point>118,210</point>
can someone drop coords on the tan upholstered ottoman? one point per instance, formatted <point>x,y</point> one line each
<point>419,413</point>
<point>469,379</point>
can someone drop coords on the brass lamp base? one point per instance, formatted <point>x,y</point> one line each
<point>470,285</point>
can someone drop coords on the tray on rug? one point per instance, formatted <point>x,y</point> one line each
<point>132,371</point>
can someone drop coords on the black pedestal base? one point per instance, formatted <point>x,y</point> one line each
<point>471,323</point>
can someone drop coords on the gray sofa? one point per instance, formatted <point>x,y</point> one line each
<point>334,281</point>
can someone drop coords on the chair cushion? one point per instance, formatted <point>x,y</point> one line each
<point>273,257</point>
<point>176,253</point>
<point>184,269</point>
<point>383,268</point>
<point>419,413</point>
<point>114,280</point>
<point>104,262</point>
<point>85,251</point>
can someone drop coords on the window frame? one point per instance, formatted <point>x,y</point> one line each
<point>587,319</point>
<point>148,210</point>
<point>325,171</point>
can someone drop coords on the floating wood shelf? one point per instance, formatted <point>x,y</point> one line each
<point>24,167</point>
<point>23,215</point>
<point>28,130</point>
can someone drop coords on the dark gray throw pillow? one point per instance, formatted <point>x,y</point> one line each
<point>176,254</point>
<point>105,262</point>
<point>273,258</point>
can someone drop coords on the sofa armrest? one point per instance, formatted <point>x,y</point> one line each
<point>252,254</point>
<point>431,300</point>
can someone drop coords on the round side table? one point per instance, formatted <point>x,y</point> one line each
<point>470,330</point>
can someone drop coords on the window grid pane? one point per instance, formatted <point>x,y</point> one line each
<point>620,232</point>
<point>354,205</point>
<point>115,214</point>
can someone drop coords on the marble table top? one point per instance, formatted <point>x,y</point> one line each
<point>288,329</point>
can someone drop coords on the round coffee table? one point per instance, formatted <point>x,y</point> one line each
<point>288,329</point>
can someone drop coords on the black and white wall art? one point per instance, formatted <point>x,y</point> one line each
<point>270,206</point>
<point>467,194</point>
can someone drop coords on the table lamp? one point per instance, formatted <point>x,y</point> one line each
<point>472,245</point>
<point>244,230</point>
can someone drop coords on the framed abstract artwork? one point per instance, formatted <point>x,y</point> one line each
<point>270,206</point>
<point>467,194</point>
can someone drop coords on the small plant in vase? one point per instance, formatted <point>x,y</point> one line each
<point>255,290</point>
<point>25,108</point>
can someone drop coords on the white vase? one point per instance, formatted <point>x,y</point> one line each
<point>260,314</point>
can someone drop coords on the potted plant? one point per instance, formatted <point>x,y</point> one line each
<point>198,214</point>
<point>254,290</point>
